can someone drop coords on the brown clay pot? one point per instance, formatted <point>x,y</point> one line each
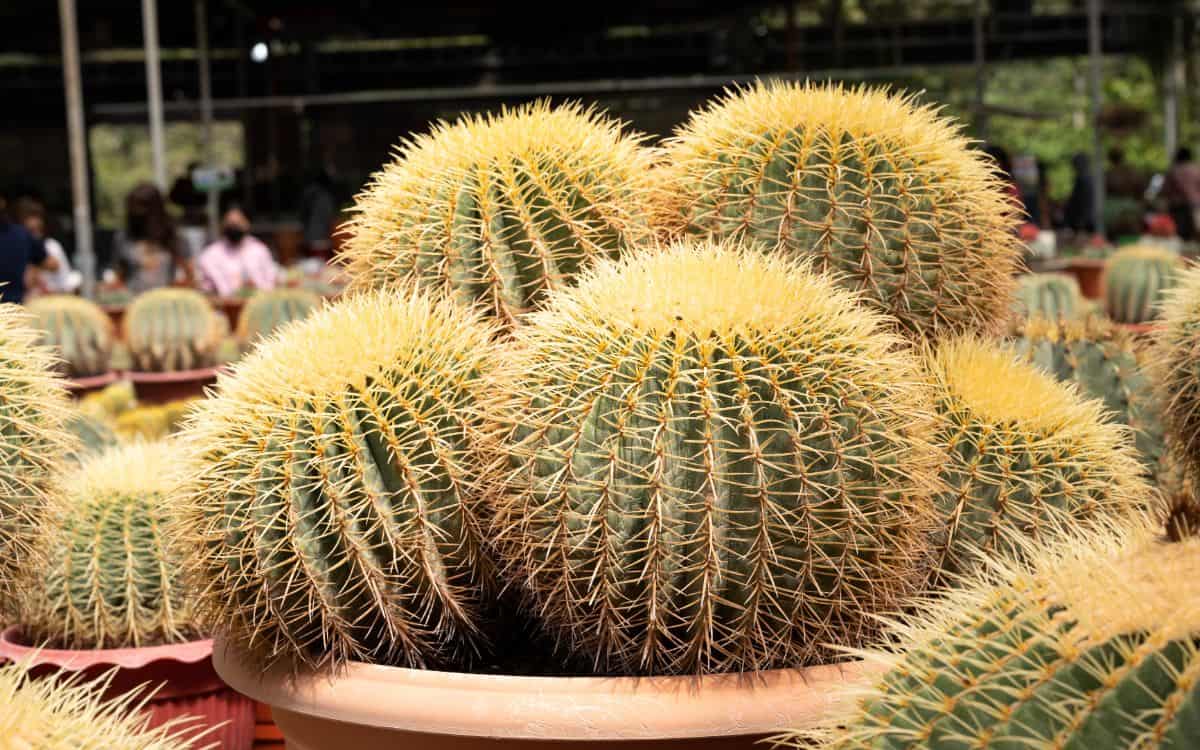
<point>162,387</point>
<point>187,684</point>
<point>1089,272</point>
<point>82,386</point>
<point>365,707</point>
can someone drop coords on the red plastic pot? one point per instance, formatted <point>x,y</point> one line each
<point>80,386</point>
<point>183,673</point>
<point>162,387</point>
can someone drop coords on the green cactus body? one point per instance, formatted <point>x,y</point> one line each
<point>1104,364</point>
<point>1054,296</point>
<point>1135,281</point>
<point>499,210</point>
<point>1026,456</point>
<point>111,402</point>
<point>882,192</point>
<point>80,332</point>
<point>1096,648</point>
<point>712,467</point>
<point>33,442</point>
<point>333,513</point>
<point>105,571</point>
<point>1175,368</point>
<point>173,329</point>
<point>94,434</point>
<point>267,311</point>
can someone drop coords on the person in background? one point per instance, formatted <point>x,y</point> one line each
<point>1122,180</point>
<point>148,251</point>
<point>1079,213</point>
<point>19,251</point>
<point>62,280</point>
<point>1181,190</point>
<point>317,209</point>
<point>237,260</point>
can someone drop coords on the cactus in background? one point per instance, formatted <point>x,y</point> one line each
<point>498,210</point>
<point>882,192</point>
<point>78,330</point>
<point>93,433</point>
<point>716,464</point>
<point>142,423</point>
<point>111,402</point>
<point>1095,645</point>
<point>1026,456</point>
<point>266,311</point>
<point>1103,364</point>
<point>104,572</point>
<point>56,714</point>
<point>1135,280</point>
<point>1054,296</point>
<point>173,329</point>
<point>33,442</point>
<point>333,512</point>
<point>1175,367</point>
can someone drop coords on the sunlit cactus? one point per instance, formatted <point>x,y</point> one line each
<point>1095,645</point>
<point>1135,280</point>
<point>79,332</point>
<point>1054,296</point>
<point>498,210</point>
<point>881,191</point>
<point>1175,367</point>
<point>267,311</point>
<point>113,401</point>
<point>1026,456</point>
<point>716,463</point>
<point>333,512</point>
<point>105,567</point>
<point>173,329</point>
<point>142,423</point>
<point>57,714</point>
<point>33,440</point>
<point>1104,363</point>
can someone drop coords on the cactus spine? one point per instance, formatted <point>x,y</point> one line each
<point>104,573</point>
<point>1096,645</point>
<point>716,463</point>
<point>1175,367</point>
<point>876,189</point>
<point>173,329</point>
<point>78,330</point>
<point>1026,456</point>
<point>1135,281</point>
<point>33,441</point>
<point>266,311</point>
<point>1054,296</point>
<point>1104,364</point>
<point>498,210</point>
<point>333,513</point>
<point>56,714</point>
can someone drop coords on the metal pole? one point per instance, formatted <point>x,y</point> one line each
<point>1172,87</point>
<point>154,91</point>
<point>85,257</point>
<point>1095,75</point>
<point>981,117</point>
<point>206,109</point>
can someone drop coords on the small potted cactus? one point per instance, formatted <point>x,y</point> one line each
<point>1053,296</point>
<point>267,311</point>
<point>174,336</point>
<point>100,592</point>
<point>83,337</point>
<point>1135,281</point>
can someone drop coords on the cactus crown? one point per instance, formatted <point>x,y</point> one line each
<point>78,330</point>
<point>64,714</point>
<point>879,190</point>
<point>105,569</point>
<point>173,329</point>
<point>268,310</point>
<point>497,210</point>
<point>332,514</point>
<point>1096,643</point>
<point>715,463</point>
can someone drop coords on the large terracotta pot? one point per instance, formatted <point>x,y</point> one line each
<point>189,684</point>
<point>364,707</point>
<point>162,387</point>
<point>83,386</point>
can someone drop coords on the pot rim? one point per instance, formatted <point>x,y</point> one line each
<point>188,652</point>
<point>92,381</point>
<point>174,376</point>
<point>549,708</point>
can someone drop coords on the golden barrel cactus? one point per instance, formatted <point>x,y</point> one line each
<point>715,463</point>
<point>498,210</point>
<point>882,192</point>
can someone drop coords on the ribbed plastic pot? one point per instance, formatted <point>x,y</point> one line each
<point>183,673</point>
<point>370,707</point>
<point>162,387</point>
<point>80,386</point>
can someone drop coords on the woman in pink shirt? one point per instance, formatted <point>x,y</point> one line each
<point>237,260</point>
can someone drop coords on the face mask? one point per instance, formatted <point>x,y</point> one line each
<point>233,234</point>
